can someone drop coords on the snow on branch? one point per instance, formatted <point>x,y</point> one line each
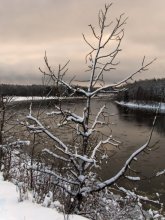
<point>97,117</point>
<point>84,158</point>
<point>139,197</point>
<point>55,155</point>
<point>109,140</point>
<point>53,113</point>
<point>68,115</point>
<point>122,171</point>
<point>134,178</point>
<point>160,173</point>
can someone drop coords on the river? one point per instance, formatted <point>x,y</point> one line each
<point>132,128</point>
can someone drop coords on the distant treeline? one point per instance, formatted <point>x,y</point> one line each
<point>27,90</point>
<point>34,90</point>
<point>144,90</point>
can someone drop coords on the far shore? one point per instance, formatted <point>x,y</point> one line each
<point>152,106</point>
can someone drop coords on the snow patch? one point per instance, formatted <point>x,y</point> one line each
<point>143,106</point>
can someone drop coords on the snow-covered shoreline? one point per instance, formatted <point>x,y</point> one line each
<point>11,209</point>
<point>143,106</point>
<point>39,98</point>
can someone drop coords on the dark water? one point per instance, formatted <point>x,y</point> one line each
<point>132,129</point>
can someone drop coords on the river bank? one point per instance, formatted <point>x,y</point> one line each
<point>153,106</point>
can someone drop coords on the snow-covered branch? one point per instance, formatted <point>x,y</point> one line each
<point>133,178</point>
<point>84,158</point>
<point>122,171</point>
<point>68,115</point>
<point>160,173</point>
<point>109,140</point>
<point>55,155</point>
<point>97,117</point>
<point>138,197</point>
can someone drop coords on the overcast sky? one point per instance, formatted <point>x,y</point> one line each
<point>29,27</point>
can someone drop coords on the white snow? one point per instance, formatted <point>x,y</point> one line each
<point>134,178</point>
<point>26,98</point>
<point>29,98</point>
<point>160,173</point>
<point>11,209</point>
<point>143,106</point>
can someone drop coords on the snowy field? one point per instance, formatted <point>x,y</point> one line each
<point>11,209</point>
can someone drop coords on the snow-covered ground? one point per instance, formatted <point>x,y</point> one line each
<point>26,98</point>
<point>29,98</point>
<point>143,106</point>
<point>11,209</point>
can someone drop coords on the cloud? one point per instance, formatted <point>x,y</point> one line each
<point>28,28</point>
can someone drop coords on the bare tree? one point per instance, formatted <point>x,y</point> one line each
<point>83,156</point>
<point>2,122</point>
<point>8,133</point>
